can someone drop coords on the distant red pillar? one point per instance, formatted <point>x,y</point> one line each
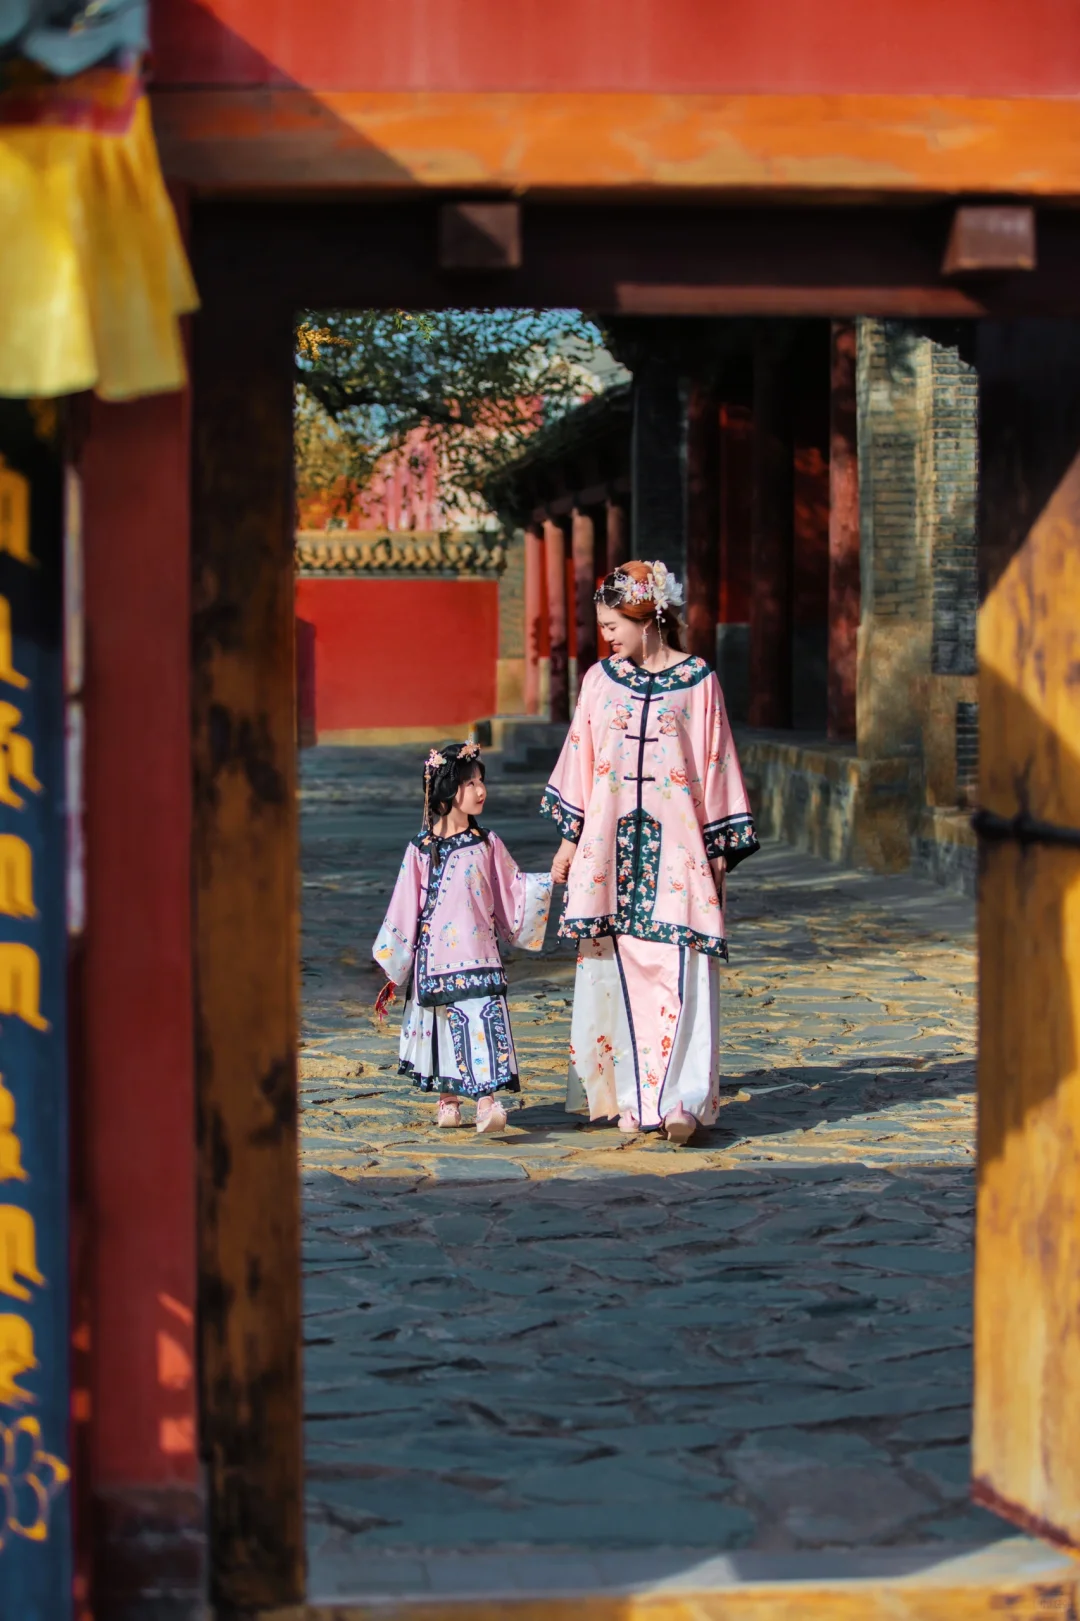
<point>555,561</point>
<point>583,549</point>
<point>534,616</point>
<point>772,540</point>
<point>702,519</point>
<point>844,584</point>
<point>618,537</point>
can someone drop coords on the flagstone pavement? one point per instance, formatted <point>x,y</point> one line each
<point>566,1342</point>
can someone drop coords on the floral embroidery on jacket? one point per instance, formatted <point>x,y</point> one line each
<point>567,819</point>
<point>732,837</point>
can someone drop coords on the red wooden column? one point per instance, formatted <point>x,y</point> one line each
<point>138,1154</point>
<point>844,584</point>
<point>534,616</point>
<point>618,536</point>
<point>583,550</point>
<point>702,519</point>
<point>771,542</point>
<point>555,565</point>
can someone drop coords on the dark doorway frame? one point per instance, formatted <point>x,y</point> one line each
<point>257,264</point>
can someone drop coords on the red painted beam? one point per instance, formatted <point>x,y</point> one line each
<point>932,47</point>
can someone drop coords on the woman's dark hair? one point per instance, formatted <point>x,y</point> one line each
<point>444,780</point>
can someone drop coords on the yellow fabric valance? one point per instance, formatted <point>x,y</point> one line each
<point>93,274</point>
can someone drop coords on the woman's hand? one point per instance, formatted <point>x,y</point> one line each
<point>560,867</point>
<point>718,867</point>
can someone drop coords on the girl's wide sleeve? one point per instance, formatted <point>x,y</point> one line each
<point>396,942</point>
<point>728,825</point>
<point>522,899</point>
<point>566,796</point>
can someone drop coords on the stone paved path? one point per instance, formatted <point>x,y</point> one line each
<point>564,1340</point>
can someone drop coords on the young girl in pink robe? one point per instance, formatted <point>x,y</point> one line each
<point>458,893</point>
<point>650,801</point>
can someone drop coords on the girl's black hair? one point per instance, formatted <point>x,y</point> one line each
<point>445,780</point>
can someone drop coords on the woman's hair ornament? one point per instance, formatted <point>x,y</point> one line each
<point>657,586</point>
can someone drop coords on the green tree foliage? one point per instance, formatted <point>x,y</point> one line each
<point>478,382</point>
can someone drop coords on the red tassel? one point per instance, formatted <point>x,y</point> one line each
<point>383,1001</point>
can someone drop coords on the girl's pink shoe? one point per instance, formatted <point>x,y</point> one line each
<point>679,1125</point>
<point>449,1113</point>
<point>629,1123</point>
<point>490,1116</point>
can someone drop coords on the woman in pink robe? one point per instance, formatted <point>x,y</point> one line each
<point>650,801</point>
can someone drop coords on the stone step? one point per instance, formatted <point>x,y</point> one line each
<point>527,745</point>
<point>530,761</point>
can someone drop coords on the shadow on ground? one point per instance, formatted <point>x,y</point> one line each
<point>716,1359</point>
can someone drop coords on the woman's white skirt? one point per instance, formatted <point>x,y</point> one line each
<point>465,1048</point>
<point>645,1031</point>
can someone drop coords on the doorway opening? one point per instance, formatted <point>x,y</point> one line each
<point>560,1357</point>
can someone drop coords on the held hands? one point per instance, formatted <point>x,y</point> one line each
<point>560,867</point>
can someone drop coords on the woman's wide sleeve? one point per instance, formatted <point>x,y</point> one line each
<point>522,899</point>
<point>566,796</point>
<point>396,942</point>
<point>728,825</point>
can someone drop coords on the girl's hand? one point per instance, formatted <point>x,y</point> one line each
<point>718,867</point>
<point>560,867</point>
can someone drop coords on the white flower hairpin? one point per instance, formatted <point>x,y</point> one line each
<point>667,592</point>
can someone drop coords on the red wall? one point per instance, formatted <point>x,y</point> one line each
<point>139,1110</point>
<point>973,47</point>
<point>401,652</point>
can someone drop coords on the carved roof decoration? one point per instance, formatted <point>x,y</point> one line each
<point>374,554</point>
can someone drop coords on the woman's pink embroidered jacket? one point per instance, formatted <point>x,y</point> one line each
<point>453,901</point>
<point>649,788</point>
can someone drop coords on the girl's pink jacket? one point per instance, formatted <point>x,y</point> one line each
<point>453,901</point>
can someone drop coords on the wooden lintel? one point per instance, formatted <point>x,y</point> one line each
<point>687,259</point>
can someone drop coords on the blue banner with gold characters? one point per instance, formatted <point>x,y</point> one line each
<point>35,1493</point>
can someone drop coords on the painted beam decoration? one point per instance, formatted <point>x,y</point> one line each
<point>35,1538</point>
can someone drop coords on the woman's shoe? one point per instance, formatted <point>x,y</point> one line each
<point>629,1123</point>
<point>449,1113</point>
<point>490,1116</point>
<point>679,1125</point>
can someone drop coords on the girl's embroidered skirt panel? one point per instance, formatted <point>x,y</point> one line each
<point>465,1048</point>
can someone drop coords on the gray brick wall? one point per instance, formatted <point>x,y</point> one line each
<point>953,498</point>
<point>967,745</point>
<point>894,385</point>
<point>512,600</point>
